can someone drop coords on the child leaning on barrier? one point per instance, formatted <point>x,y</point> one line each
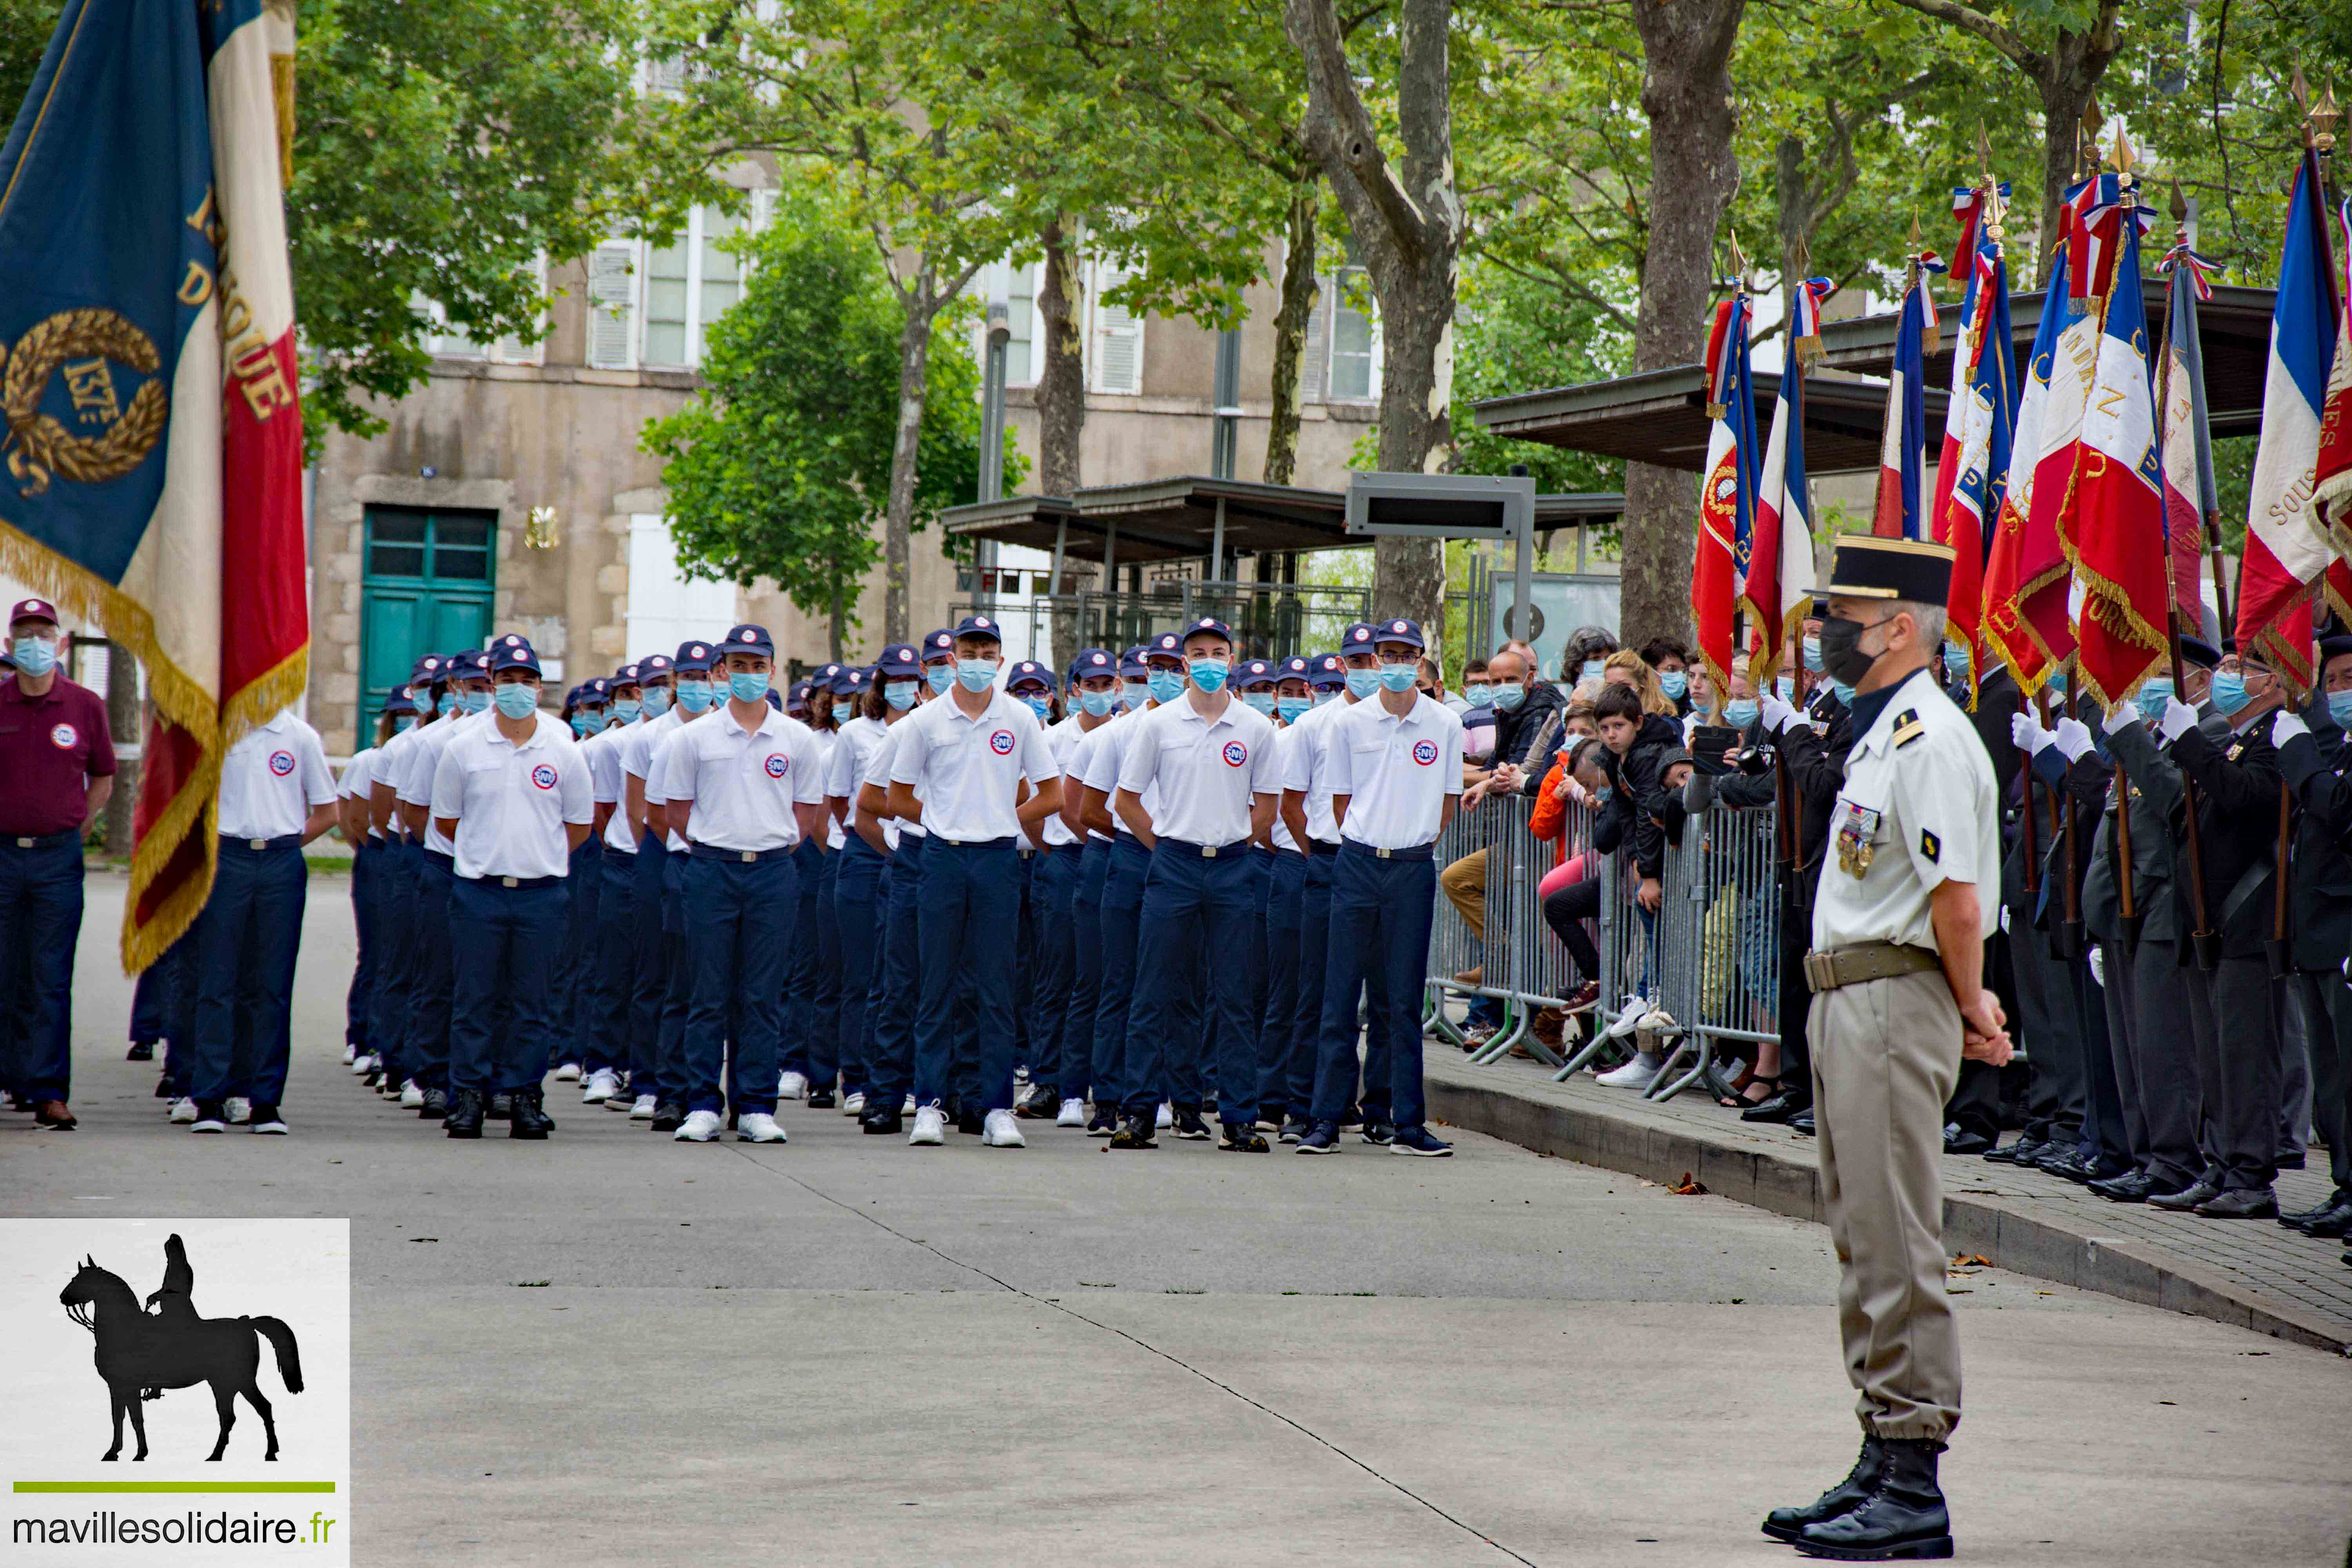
<point>1638,744</point>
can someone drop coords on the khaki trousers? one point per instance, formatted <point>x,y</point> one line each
<point>1885,1056</point>
<point>1464,882</point>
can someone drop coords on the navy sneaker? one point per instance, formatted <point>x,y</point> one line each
<point>1323,1138</point>
<point>1294,1128</point>
<point>1417,1140</point>
<point>1378,1129</point>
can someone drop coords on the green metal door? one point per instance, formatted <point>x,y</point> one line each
<point>426,588</point>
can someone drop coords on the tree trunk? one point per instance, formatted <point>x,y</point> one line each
<point>897,523</point>
<point>2072,74</point>
<point>1061,374</point>
<point>1291,319</point>
<point>1686,95</point>
<point>1793,197</point>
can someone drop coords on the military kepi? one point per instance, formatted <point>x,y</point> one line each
<point>1866,566</point>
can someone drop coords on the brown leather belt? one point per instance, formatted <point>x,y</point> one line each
<point>1841,966</point>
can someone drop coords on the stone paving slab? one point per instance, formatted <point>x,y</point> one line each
<point>2252,1273</point>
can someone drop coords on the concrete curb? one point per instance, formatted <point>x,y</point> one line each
<point>2005,1232</point>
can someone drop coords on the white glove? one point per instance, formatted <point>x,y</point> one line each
<point>2286,727</point>
<point>1775,714</point>
<point>2177,721</point>
<point>2099,965</point>
<point>2073,738</point>
<point>2025,734</point>
<point>2004,925</point>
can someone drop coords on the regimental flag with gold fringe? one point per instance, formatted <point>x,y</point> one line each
<point>1977,459</point>
<point>2331,490</point>
<point>2190,494</point>
<point>1727,491</point>
<point>1778,591</point>
<point>153,438</point>
<point>2003,625</point>
<point>1969,205</point>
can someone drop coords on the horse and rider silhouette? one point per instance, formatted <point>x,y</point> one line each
<point>141,1354</point>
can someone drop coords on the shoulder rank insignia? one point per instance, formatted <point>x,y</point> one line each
<point>1908,727</point>
<point>1929,845</point>
<point>2231,755</point>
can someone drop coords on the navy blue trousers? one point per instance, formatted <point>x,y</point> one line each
<point>248,938</point>
<point>677,980</point>
<point>425,1049</point>
<point>1191,904</point>
<point>1379,920</point>
<point>40,918</point>
<point>892,1065</point>
<point>500,937</point>
<point>367,873</point>
<point>968,920</point>
<point>1122,909</point>
<point>1280,1061</point>
<point>583,885</point>
<point>745,914</point>
<point>796,1018</point>
<point>858,909</point>
<point>394,991</point>
<point>612,971</point>
<point>1079,1075</point>
<point>1051,884</point>
<point>649,977</point>
<point>822,942</point>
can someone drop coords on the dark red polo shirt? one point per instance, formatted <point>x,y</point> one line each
<point>51,746</point>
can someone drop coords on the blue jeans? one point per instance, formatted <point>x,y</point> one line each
<point>1381,915</point>
<point>649,981</point>
<point>424,1050</point>
<point>858,909</point>
<point>822,945</point>
<point>614,970</point>
<point>246,942</point>
<point>744,918</point>
<point>892,1064</point>
<point>1081,1072</point>
<point>499,940</point>
<point>394,993</point>
<point>1191,904</point>
<point>40,917</point>
<point>1052,885</point>
<point>1122,908</point>
<point>1278,1033</point>
<point>966,929</point>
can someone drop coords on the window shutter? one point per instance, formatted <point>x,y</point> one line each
<point>512,350</point>
<point>610,270</point>
<point>1119,337</point>
<point>1313,358</point>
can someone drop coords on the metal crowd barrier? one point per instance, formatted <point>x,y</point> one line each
<point>1708,958</point>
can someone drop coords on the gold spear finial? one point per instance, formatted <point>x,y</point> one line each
<point>2325,117</point>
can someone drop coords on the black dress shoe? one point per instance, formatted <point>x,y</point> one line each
<point>465,1117</point>
<point>529,1118</point>
<point>1779,1108</point>
<point>2069,1166</point>
<point>2131,1187</point>
<point>1801,1123</point>
<point>821,1099</point>
<point>2108,1167</point>
<point>668,1117</point>
<point>2335,1221</point>
<point>163,1088</point>
<point>436,1106</point>
<point>1136,1131</point>
<point>1241,1138</point>
<point>141,1051</point>
<point>2296,1219</point>
<point>882,1120</point>
<point>1961,1141</point>
<point>969,1120</point>
<point>1788,1523</point>
<point>2346,1259</point>
<point>2182,1199</point>
<point>2053,1155</point>
<point>2022,1152</point>
<point>1903,1516</point>
<point>2241,1203</point>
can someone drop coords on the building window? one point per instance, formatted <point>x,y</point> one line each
<point>653,304</point>
<point>1018,287</point>
<point>1114,336</point>
<point>1355,336</point>
<point>665,608</point>
<point>444,340</point>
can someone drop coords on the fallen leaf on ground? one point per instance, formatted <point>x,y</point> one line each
<point>1960,1260</point>
<point>1687,1187</point>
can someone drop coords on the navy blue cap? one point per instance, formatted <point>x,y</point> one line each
<point>777,702</point>
<point>900,659</point>
<point>1091,662</point>
<point>938,644</point>
<point>1029,670</point>
<point>512,652</point>
<point>846,678</point>
<point>1166,645</point>
<point>471,665</point>
<point>824,675</point>
<point>398,701</point>
<point>597,690</point>
<point>1253,673</point>
<point>748,638</point>
<point>2198,652</point>
<point>693,658</point>
<point>625,676</point>
<point>796,694</point>
<point>653,666</point>
<point>1399,631</point>
<point>431,668</point>
<point>1211,626</point>
<point>1327,670</point>
<point>1358,637</point>
<point>980,626</point>
<point>1294,668</point>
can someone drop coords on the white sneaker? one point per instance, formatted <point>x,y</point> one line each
<point>411,1096</point>
<point>643,1110</point>
<point>1163,1118</point>
<point>240,1110</point>
<point>756,1127</point>
<point>908,1108</point>
<point>793,1086</point>
<point>601,1087</point>
<point>360,1064</point>
<point>701,1127</point>
<point>930,1127</point>
<point>1629,1016</point>
<point>183,1110</point>
<point>567,1072</point>
<point>1635,1074</point>
<point>855,1105</point>
<point>1073,1114</point>
<point>274,1124</point>
<point>350,1050</point>
<point>200,1123</point>
<point>999,1131</point>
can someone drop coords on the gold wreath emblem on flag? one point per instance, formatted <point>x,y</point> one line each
<point>84,344</point>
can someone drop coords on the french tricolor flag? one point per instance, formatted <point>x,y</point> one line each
<point>1780,586</point>
<point>2118,502</point>
<point>1897,512</point>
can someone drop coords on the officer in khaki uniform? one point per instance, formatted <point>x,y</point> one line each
<point>1908,896</point>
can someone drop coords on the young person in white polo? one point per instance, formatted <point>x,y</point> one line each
<point>957,768</point>
<point>742,787</point>
<point>1210,756</point>
<point>1396,779</point>
<point>512,798</point>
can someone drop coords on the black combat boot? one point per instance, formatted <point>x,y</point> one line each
<point>436,1106</point>
<point>529,1118</point>
<point>1788,1523</point>
<point>1903,1516</point>
<point>465,1117</point>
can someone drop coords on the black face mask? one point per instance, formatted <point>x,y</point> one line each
<point>1843,658</point>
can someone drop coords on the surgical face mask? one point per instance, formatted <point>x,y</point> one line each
<point>404,724</point>
<point>842,712</point>
<point>2229,691</point>
<point>1098,703</point>
<point>1844,692</point>
<point>746,686</point>
<point>625,711</point>
<point>1166,685</point>
<point>658,700</point>
<point>450,703</point>
<point>579,725</point>
<point>694,696</point>
<point>1326,698</point>
<point>1208,674</point>
<point>479,701</point>
<point>1674,683</point>
<point>1739,713</point>
<point>1260,701</point>
<point>899,694</point>
<point>1508,698</point>
<point>1362,683</point>
<point>1813,654</point>
<point>517,700</point>
<point>2339,708</point>
<point>940,676</point>
<point>1955,659</point>
<point>1785,687</point>
<point>1398,677</point>
<point>35,655</point>
<point>2151,697</point>
<point>1040,706</point>
<point>1135,693</point>
<point>1292,707</point>
<point>1590,670</point>
<point>976,674</point>
<point>1478,695</point>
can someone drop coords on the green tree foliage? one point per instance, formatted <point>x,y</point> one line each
<point>780,466</point>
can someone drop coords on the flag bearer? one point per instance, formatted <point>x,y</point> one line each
<point>424,1044</point>
<point>1286,895</point>
<point>512,798</point>
<point>1211,760</point>
<point>690,667</point>
<point>864,889</point>
<point>741,788</point>
<point>957,769</point>
<point>1396,779</point>
<point>1095,677</point>
<point>275,795</point>
<point>611,966</point>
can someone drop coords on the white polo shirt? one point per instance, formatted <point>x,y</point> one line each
<point>601,753</point>
<point>827,743</point>
<point>1306,768</point>
<point>1104,758</point>
<point>968,770</point>
<point>740,784</point>
<point>1396,771</point>
<point>877,774</point>
<point>1208,770</point>
<point>358,780</point>
<point>854,748</point>
<point>422,768</point>
<point>1062,741</point>
<point>642,759</point>
<point>1285,737</point>
<point>272,778</point>
<point>513,802</point>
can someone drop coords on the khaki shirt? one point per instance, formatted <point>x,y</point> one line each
<point>1918,809</point>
